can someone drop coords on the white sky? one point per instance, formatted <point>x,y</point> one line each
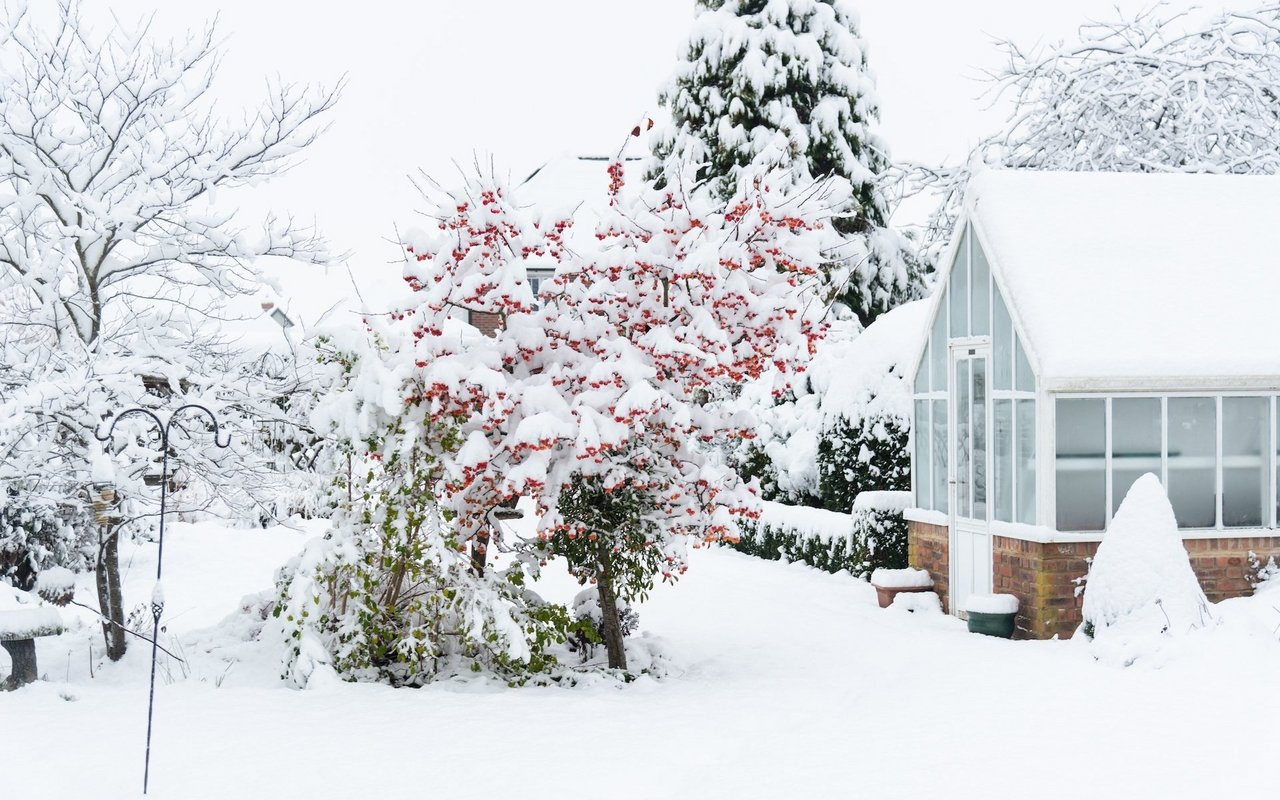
<point>523,80</point>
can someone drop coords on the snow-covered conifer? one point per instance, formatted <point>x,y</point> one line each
<point>784,84</point>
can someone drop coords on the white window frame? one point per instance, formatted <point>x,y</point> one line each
<point>1270,518</point>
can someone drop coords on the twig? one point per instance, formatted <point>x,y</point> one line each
<point>126,630</point>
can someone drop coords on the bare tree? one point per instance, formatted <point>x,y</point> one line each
<point>1163,91</point>
<point>118,250</point>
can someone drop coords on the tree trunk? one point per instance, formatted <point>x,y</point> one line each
<point>480,550</point>
<point>610,624</point>
<point>110,600</point>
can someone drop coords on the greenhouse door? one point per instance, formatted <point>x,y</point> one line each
<point>970,545</point>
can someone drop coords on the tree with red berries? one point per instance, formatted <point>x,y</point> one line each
<point>600,399</point>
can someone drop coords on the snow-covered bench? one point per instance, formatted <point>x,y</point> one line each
<point>24,618</point>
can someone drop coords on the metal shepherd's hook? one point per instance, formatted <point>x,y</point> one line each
<point>157,594</point>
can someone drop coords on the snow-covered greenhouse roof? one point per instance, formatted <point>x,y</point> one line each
<point>1142,280</point>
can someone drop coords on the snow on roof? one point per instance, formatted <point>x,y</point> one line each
<point>861,374</point>
<point>568,182</point>
<point>1137,279</point>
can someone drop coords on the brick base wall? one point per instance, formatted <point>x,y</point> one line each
<point>927,550</point>
<point>1044,576</point>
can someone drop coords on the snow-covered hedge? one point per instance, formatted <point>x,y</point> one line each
<point>874,536</point>
<point>846,432</point>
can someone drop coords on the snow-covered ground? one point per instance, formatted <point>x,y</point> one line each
<point>785,682</point>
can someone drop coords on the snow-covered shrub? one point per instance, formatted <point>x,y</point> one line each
<point>36,536</point>
<point>879,536</point>
<point>863,455</point>
<point>1266,575</point>
<point>1140,586</point>
<point>389,593</point>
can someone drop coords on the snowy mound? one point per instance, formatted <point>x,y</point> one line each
<point>1141,585</point>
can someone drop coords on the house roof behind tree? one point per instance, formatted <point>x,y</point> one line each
<point>1153,279</point>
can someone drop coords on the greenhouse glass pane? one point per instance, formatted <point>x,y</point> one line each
<point>1080,464</point>
<point>1027,462</point>
<point>979,289</point>
<point>1135,443</point>
<point>1002,345</point>
<point>1026,379</point>
<point>963,436</point>
<point>923,434</point>
<point>1193,444</point>
<point>938,349</point>
<point>959,289</point>
<point>1246,474</point>
<point>938,447</point>
<point>1002,443</point>
<point>922,373</point>
<point>979,422</point>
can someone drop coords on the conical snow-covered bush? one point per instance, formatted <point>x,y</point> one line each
<point>1141,586</point>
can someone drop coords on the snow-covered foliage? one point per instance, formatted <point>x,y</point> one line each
<point>873,537</point>
<point>115,261</point>
<point>597,399</point>
<point>844,430</point>
<point>1141,587</point>
<point>784,84</point>
<point>1166,90</point>
<point>879,530</point>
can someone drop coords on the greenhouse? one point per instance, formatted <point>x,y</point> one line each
<point>1089,328</point>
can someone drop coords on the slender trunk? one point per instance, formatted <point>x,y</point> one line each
<point>110,600</point>
<point>610,624</point>
<point>480,550</point>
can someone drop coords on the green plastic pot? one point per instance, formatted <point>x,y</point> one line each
<point>991,624</point>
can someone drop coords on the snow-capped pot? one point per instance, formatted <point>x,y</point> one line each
<point>991,604</point>
<point>891,582</point>
<point>992,614</point>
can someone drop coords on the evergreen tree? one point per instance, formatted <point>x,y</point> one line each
<point>784,84</point>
